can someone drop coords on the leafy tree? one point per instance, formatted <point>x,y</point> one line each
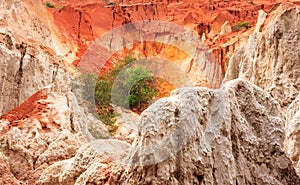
<point>134,79</point>
<point>139,80</point>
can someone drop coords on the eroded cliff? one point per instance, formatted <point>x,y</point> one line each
<point>234,135</point>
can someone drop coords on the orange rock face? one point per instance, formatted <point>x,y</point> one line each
<point>79,23</point>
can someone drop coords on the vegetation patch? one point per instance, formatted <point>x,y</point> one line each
<point>49,5</point>
<point>136,89</point>
<point>134,78</point>
<point>241,25</point>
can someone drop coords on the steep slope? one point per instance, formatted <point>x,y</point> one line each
<point>271,58</point>
<point>28,57</point>
<point>234,135</point>
<point>292,136</point>
<point>41,121</point>
<point>196,136</point>
<point>80,23</point>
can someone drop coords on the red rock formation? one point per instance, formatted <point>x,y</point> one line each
<point>79,23</point>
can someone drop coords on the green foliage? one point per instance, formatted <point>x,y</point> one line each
<point>103,90</point>
<point>105,82</point>
<point>241,25</point>
<point>49,5</point>
<point>140,92</point>
<point>134,79</point>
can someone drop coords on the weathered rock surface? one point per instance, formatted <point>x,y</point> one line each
<point>196,136</point>
<point>271,58</point>
<point>41,121</point>
<point>42,130</point>
<point>233,135</point>
<point>93,163</point>
<point>127,125</point>
<point>28,60</point>
<point>271,61</point>
<point>292,136</point>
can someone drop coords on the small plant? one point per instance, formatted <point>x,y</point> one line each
<point>49,5</point>
<point>103,90</point>
<point>241,25</point>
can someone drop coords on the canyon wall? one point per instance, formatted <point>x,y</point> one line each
<point>41,120</point>
<point>80,23</point>
<point>271,58</point>
<point>233,135</point>
<point>246,132</point>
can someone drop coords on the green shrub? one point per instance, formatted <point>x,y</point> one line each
<point>135,79</point>
<point>105,82</point>
<point>140,93</point>
<point>49,5</point>
<point>241,25</point>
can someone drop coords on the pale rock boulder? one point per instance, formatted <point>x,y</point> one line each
<point>127,124</point>
<point>28,54</point>
<point>26,68</point>
<point>271,58</point>
<point>96,162</point>
<point>196,136</point>
<point>17,19</point>
<point>41,120</point>
<point>53,128</point>
<point>41,137</point>
<point>292,138</point>
<point>226,28</point>
<point>235,136</point>
<point>262,15</point>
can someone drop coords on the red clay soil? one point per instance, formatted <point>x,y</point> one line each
<point>30,108</point>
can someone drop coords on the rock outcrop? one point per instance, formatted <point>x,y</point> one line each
<point>7,178</point>
<point>80,23</point>
<point>41,121</point>
<point>196,136</point>
<point>271,58</point>
<point>28,59</point>
<point>46,128</point>
<point>292,136</point>
<point>271,61</point>
<point>246,132</point>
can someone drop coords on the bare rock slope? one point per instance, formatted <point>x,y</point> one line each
<point>40,119</point>
<point>199,136</point>
<point>196,136</point>
<point>271,58</point>
<point>234,135</point>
